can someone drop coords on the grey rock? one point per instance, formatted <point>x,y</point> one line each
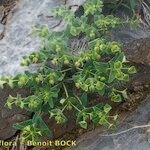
<point>133,139</point>
<point>18,40</point>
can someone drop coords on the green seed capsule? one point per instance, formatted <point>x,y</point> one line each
<point>96,48</point>
<point>119,75</point>
<point>115,48</point>
<point>51,81</point>
<point>92,88</point>
<point>99,85</point>
<point>92,35</point>
<point>77,64</point>
<point>24,62</point>
<point>33,104</point>
<point>77,85</point>
<point>22,80</point>
<point>35,60</point>
<point>54,61</point>
<point>66,62</point>
<point>73,31</point>
<point>58,49</point>
<point>102,78</point>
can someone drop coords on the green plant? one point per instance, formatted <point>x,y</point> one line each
<point>65,81</point>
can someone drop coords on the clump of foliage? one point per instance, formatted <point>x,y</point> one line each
<point>65,81</point>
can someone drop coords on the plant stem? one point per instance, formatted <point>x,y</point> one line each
<point>66,70</point>
<point>64,108</point>
<point>79,100</point>
<point>66,92</point>
<point>76,107</point>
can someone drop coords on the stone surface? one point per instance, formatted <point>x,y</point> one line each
<point>133,139</point>
<point>18,39</point>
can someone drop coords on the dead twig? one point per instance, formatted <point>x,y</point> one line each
<point>125,131</point>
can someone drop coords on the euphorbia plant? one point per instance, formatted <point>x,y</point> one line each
<point>64,81</point>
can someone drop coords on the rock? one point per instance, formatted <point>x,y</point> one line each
<point>134,138</point>
<point>18,40</point>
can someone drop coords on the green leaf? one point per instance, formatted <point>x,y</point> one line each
<point>115,117</point>
<point>95,120</point>
<point>118,57</point>
<point>62,101</point>
<point>20,126</point>
<point>39,121</point>
<point>112,76</point>
<point>101,67</point>
<point>84,99</point>
<point>116,98</point>
<point>100,85</point>
<point>107,108</point>
<point>124,94</point>
<point>83,124</point>
<point>51,103</point>
<point>133,5</point>
<point>132,70</point>
<point>103,121</point>
<point>79,116</point>
<point>118,65</point>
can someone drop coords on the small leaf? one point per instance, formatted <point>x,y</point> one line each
<point>10,83</point>
<point>51,103</point>
<point>2,84</point>
<point>124,94</point>
<point>20,126</point>
<point>107,108</point>
<point>132,70</point>
<point>112,76</point>
<point>62,101</point>
<point>83,124</point>
<point>84,99</point>
<point>115,117</point>
<point>118,65</point>
<point>46,131</point>
<point>101,67</point>
<point>116,98</point>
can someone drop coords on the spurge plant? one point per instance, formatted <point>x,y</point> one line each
<point>65,82</point>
